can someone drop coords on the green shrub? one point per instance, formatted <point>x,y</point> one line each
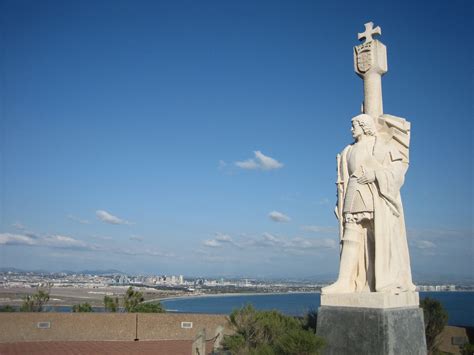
<point>82,308</point>
<point>467,349</point>
<point>111,304</point>
<point>148,308</point>
<point>35,302</point>
<point>7,308</point>
<point>132,299</point>
<point>436,319</point>
<point>269,332</point>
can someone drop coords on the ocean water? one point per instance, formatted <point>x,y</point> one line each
<point>459,305</point>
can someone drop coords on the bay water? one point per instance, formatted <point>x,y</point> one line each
<point>459,305</point>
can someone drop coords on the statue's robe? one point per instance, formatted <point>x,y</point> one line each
<point>390,269</point>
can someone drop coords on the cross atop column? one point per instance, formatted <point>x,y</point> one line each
<point>370,63</point>
<point>369,32</point>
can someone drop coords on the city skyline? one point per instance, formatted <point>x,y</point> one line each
<point>200,139</point>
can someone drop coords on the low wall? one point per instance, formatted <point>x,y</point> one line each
<point>19,327</point>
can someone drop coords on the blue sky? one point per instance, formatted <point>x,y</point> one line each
<point>199,138</point>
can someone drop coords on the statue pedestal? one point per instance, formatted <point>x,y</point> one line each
<point>372,300</point>
<point>376,323</point>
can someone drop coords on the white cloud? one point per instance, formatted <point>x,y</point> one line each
<point>270,238</point>
<point>298,243</point>
<point>136,238</point>
<point>260,162</point>
<point>219,241</point>
<point>65,242</point>
<point>144,252</point>
<point>266,162</point>
<point>319,229</point>
<point>223,237</point>
<point>271,242</point>
<point>212,243</point>
<point>16,239</point>
<point>78,220</point>
<point>100,237</point>
<point>106,217</point>
<point>425,244</point>
<point>60,241</point>
<point>54,241</point>
<point>19,226</point>
<point>278,217</point>
<point>305,243</point>
<point>247,164</point>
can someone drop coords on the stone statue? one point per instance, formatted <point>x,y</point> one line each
<point>371,171</point>
<point>373,300</point>
<point>374,256</point>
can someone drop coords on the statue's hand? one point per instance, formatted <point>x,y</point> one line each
<point>368,177</point>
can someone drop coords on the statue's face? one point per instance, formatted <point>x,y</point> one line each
<point>356,130</point>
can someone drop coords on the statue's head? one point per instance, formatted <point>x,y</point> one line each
<point>363,124</point>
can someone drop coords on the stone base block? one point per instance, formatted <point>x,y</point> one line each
<point>372,331</point>
<point>371,300</point>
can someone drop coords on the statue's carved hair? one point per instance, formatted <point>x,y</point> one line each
<point>367,124</point>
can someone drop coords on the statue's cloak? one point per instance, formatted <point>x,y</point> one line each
<point>384,262</point>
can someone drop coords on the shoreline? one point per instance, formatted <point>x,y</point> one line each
<point>232,294</point>
<point>269,293</point>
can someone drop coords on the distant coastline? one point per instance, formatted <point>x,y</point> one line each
<point>231,294</point>
<point>268,293</point>
<point>458,304</point>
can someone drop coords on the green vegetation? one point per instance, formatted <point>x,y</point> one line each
<point>111,304</point>
<point>436,319</point>
<point>132,299</point>
<point>310,320</point>
<point>270,332</point>
<point>82,308</point>
<point>133,302</point>
<point>467,349</point>
<point>148,308</point>
<point>7,308</point>
<point>35,302</point>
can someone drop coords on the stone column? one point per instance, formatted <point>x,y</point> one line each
<point>370,63</point>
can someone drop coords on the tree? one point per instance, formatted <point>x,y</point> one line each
<point>269,332</point>
<point>35,302</point>
<point>133,302</point>
<point>7,308</point>
<point>436,319</point>
<point>111,304</point>
<point>82,308</point>
<point>132,299</point>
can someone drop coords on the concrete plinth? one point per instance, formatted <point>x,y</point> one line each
<point>372,300</point>
<point>372,331</point>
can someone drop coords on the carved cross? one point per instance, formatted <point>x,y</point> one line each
<point>369,32</point>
